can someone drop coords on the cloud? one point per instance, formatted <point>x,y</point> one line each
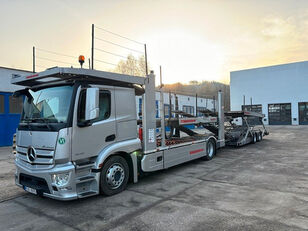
<point>291,29</point>
<point>274,27</point>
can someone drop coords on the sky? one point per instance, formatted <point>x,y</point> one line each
<point>190,39</point>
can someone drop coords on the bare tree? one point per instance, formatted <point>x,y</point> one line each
<point>132,66</point>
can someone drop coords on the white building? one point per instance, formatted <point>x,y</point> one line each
<point>280,92</point>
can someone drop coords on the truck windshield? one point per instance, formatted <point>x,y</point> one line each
<point>48,105</point>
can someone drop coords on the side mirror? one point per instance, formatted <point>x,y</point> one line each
<point>92,106</point>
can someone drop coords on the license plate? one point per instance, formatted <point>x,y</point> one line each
<point>30,190</point>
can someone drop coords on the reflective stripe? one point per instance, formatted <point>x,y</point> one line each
<point>196,151</point>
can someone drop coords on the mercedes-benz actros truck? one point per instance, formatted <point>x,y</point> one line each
<point>79,133</point>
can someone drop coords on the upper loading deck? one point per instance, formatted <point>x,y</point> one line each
<point>58,74</point>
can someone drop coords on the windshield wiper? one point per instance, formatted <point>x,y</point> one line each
<point>27,121</point>
<point>44,120</point>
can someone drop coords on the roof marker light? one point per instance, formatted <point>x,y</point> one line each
<point>81,60</point>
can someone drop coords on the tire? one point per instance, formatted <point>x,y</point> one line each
<point>254,138</point>
<point>210,150</point>
<point>114,176</point>
<point>259,136</point>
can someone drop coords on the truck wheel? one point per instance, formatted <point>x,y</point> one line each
<point>210,149</point>
<point>114,176</point>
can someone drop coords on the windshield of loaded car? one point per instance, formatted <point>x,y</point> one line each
<point>48,105</point>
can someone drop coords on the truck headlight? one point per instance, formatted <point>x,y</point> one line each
<point>60,179</point>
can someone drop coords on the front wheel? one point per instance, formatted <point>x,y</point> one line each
<point>210,149</point>
<point>114,176</point>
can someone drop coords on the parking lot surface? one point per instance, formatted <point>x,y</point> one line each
<point>262,186</point>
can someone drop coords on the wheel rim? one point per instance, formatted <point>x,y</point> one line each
<point>210,149</point>
<point>254,138</point>
<point>115,175</point>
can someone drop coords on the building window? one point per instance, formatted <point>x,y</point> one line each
<point>254,108</point>
<point>188,109</point>
<point>167,110</point>
<point>1,104</point>
<point>157,103</point>
<point>199,110</point>
<point>140,106</point>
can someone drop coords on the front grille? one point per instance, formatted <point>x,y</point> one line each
<point>37,183</point>
<point>44,157</point>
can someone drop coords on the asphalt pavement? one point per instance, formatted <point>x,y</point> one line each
<point>262,186</point>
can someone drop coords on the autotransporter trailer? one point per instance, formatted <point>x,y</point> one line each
<point>79,134</point>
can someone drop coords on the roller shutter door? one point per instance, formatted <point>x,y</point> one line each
<point>279,114</point>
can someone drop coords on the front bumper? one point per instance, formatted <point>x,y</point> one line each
<point>42,182</point>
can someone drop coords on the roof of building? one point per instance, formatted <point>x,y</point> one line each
<point>14,69</point>
<point>272,66</point>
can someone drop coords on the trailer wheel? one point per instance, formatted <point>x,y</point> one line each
<point>254,138</point>
<point>210,149</point>
<point>259,136</point>
<point>114,176</point>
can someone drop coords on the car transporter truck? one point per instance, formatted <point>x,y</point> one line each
<point>79,134</point>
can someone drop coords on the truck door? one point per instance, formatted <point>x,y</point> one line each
<point>90,140</point>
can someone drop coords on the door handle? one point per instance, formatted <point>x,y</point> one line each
<point>110,138</point>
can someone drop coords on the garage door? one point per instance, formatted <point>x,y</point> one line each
<point>303,113</point>
<point>279,114</point>
<point>10,109</point>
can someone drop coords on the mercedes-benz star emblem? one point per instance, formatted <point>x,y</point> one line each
<point>31,155</point>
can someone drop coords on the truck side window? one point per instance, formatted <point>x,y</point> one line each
<point>104,106</point>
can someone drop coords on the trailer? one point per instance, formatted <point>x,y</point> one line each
<point>247,132</point>
<point>251,128</point>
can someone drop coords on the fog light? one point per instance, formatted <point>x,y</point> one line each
<point>60,179</point>
<point>65,188</point>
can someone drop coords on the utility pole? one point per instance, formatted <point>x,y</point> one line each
<point>196,104</point>
<point>92,49</point>
<point>146,59</point>
<point>162,112</point>
<point>170,104</point>
<point>33,59</point>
